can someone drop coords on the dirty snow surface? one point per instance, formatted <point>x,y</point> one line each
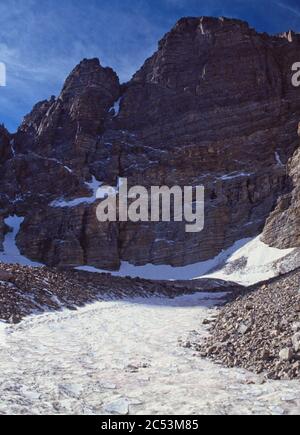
<point>120,357</point>
<point>252,263</point>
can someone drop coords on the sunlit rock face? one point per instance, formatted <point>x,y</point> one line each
<point>213,106</point>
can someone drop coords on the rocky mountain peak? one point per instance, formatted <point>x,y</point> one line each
<point>200,51</point>
<point>209,24</point>
<point>66,127</point>
<point>203,29</point>
<point>214,106</point>
<point>90,74</point>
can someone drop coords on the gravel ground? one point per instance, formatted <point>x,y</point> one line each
<point>259,330</point>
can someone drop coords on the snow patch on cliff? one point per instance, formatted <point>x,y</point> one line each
<point>11,253</point>
<point>278,159</point>
<point>252,263</point>
<point>116,107</point>
<point>246,262</point>
<point>92,185</point>
<point>165,272</point>
<point>234,175</point>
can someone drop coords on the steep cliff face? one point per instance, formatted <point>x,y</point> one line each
<point>282,226</point>
<point>5,149</point>
<point>5,154</point>
<point>213,106</point>
<point>68,127</point>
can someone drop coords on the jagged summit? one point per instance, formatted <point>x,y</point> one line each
<point>205,27</point>
<point>211,22</point>
<point>89,74</point>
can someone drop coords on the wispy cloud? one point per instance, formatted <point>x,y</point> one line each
<point>289,8</point>
<point>42,41</point>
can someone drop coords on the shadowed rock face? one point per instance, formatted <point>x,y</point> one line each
<point>213,106</point>
<point>5,149</point>
<point>68,127</point>
<point>282,226</point>
<point>5,154</point>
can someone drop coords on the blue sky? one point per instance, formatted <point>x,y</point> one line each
<point>42,40</point>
